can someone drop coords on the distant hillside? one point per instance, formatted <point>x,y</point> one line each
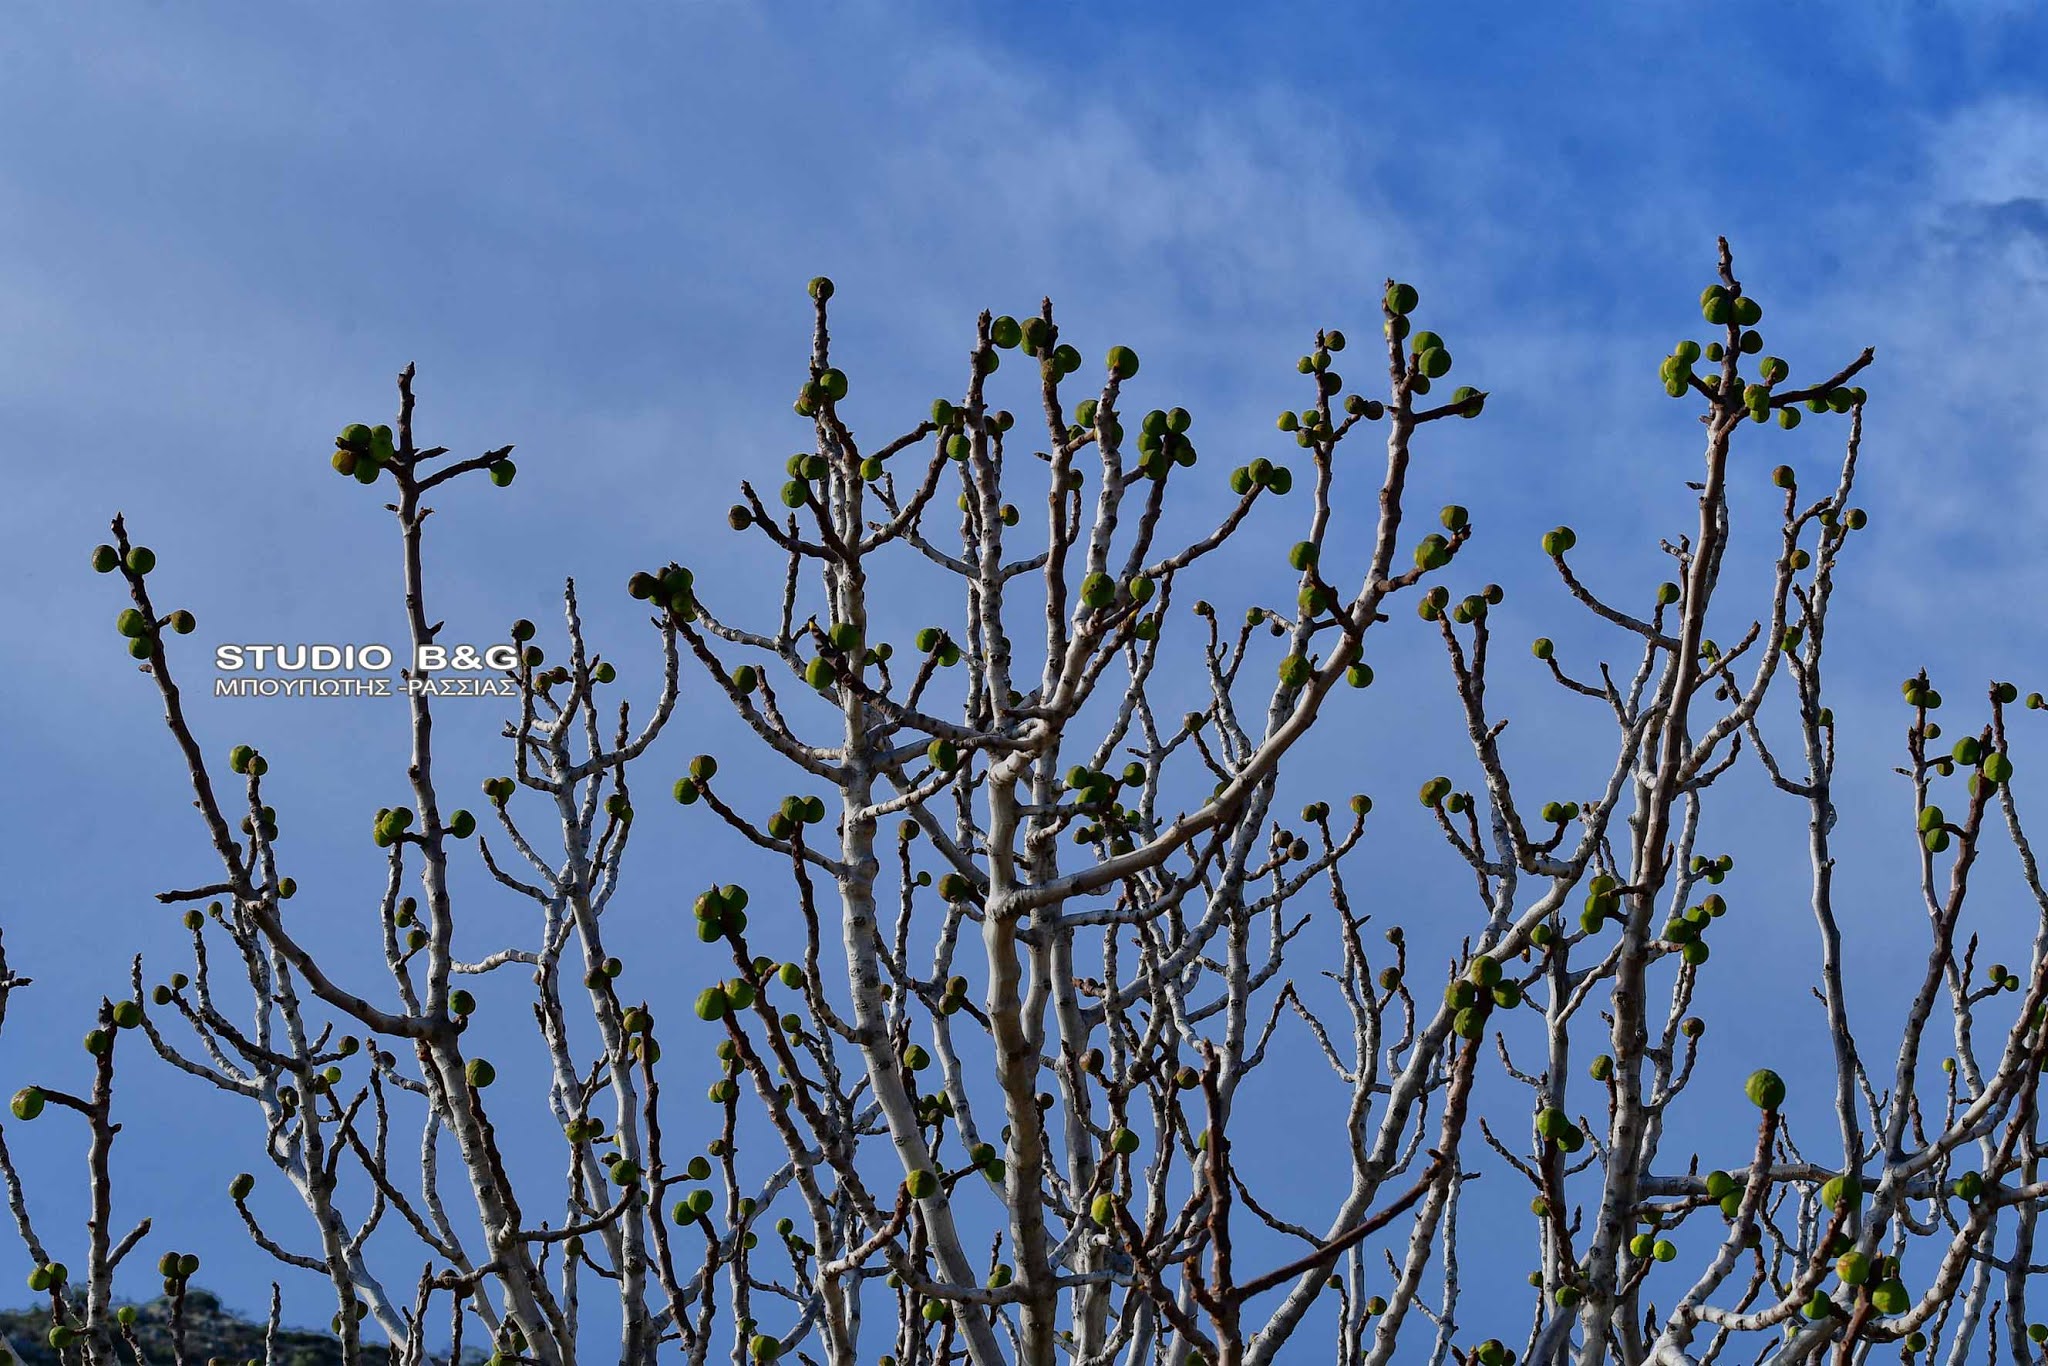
<point>210,1333</point>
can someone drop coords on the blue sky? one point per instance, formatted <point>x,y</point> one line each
<point>222,231</point>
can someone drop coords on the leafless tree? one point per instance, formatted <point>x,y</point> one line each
<point>1052,919</point>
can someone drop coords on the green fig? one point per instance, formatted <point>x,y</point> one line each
<point>1765,1089</point>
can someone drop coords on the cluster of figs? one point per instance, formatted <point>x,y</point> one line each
<point>1429,359</point>
<point>1095,792</point>
<point>1723,307</point>
<point>1989,767</point>
<point>392,823</point>
<point>135,627</point>
<point>1475,995</point>
<point>363,452</point>
<point>673,590</point>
